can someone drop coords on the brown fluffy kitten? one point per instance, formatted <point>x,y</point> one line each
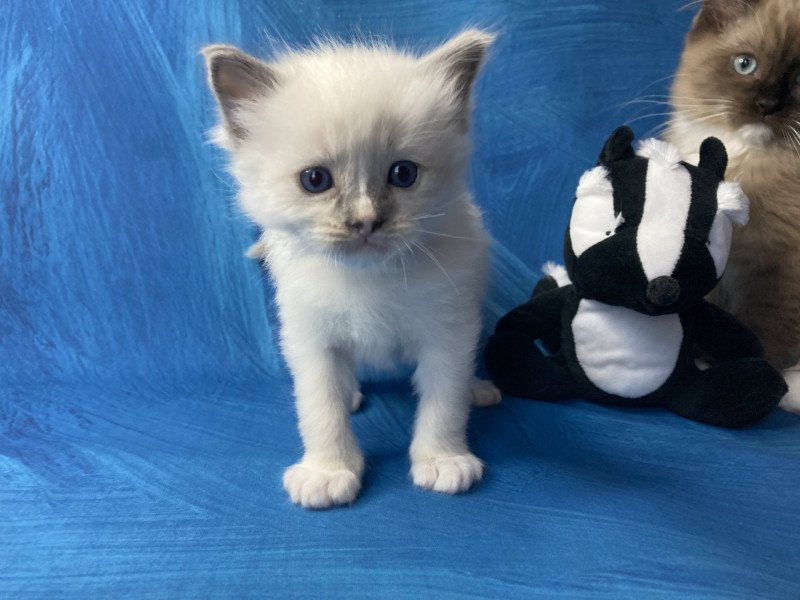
<point>739,80</point>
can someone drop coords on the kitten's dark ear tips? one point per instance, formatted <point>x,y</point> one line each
<point>714,157</point>
<point>236,77</point>
<point>716,15</point>
<point>618,147</point>
<point>460,59</point>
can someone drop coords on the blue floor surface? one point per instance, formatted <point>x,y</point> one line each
<point>146,416</point>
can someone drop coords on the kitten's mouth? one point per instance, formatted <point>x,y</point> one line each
<point>364,246</point>
<point>368,245</point>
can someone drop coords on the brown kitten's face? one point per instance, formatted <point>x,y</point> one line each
<point>740,70</point>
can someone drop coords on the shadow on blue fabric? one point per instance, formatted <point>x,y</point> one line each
<point>147,416</point>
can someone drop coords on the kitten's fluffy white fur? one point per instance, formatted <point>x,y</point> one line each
<point>408,287</point>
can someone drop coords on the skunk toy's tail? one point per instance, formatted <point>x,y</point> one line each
<point>555,276</point>
<point>557,272</point>
<point>515,362</point>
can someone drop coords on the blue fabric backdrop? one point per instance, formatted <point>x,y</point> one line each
<point>145,415</point>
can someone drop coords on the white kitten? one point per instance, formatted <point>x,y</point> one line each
<point>352,161</point>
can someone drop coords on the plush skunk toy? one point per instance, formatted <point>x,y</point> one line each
<point>648,238</point>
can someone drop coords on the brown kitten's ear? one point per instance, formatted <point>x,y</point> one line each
<point>459,60</point>
<point>716,15</point>
<point>617,147</point>
<point>236,78</point>
<point>714,157</point>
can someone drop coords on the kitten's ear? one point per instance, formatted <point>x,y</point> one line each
<point>714,157</point>
<point>459,60</point>
<point>236,78</point>
<point>618,146</point>
<point>716,15</point>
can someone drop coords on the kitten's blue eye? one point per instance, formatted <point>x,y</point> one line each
<point>403,173</point>
<point>745,64</point>
<point>316,179</point>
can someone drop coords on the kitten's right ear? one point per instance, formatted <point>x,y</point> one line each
<point>716,15</point>
<point>236,78</point>
<point>459,61</point>
<point>618,146</point>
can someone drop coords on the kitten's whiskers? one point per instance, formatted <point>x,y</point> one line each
<point>792,135</point>
<point>436,262</point>
<point>695,113</point>
<point>227,184</point>
<point>447,235</point>
<point>402,264</point>
<point>429,216</point>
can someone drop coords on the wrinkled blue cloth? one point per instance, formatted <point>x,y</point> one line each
<point>146,415</point>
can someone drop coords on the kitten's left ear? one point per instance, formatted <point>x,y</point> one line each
<point>459,60</point>
<point>716,15</point>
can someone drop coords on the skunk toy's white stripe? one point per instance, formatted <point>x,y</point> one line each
<point>624,352</point>
<point>719,241</point>
<point>666,209</point>
<point>593,213</point>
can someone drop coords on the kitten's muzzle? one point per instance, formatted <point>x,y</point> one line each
<point>365,228</point>
<point>769,105</point>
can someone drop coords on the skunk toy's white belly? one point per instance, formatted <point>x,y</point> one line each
<point>624,352</point>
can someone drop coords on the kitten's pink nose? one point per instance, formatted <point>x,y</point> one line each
<point>365,227</point>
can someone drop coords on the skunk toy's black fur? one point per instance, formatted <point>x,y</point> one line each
<point>648,238</point>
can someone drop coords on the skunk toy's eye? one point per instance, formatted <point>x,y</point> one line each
<point>316,180</point>
<point>593,219</point>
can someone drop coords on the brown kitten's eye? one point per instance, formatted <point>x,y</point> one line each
<point>745,64</point>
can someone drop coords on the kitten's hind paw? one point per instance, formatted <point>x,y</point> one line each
<point>314,487</point>
<point>447,474</point>
<point>484,393</point>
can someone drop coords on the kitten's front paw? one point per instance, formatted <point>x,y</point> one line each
<point>447,474</point>
<point>484,393</point>
<point>790,404</point>
<point>791,401</point>
<point>355,403</point>
<point>315,487</point>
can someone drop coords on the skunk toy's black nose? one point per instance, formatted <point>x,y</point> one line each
<point>663,291</point>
